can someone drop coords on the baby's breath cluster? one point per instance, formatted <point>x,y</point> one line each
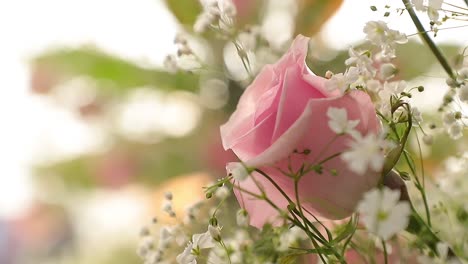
<point>383,221</point>
<point>218,15</point>
<point>185,58</point>
<point>180,241</point>
<point>440,11</point>
<point>455,101</point>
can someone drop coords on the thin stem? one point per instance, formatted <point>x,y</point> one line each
<point>427,39</point>
<point>384,245</point>
<point>227,250</point>
<point>466,1</point>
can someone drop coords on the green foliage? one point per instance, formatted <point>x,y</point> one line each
<point>313,14</point>
<point>151,168</point>
<point>112,73</point>
<point>414,59</point>
<point>290,258</point>
<point>265,245</point>
<point>186,11</point>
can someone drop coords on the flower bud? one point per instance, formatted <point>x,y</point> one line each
<point>242,218</point>
<point>237,170</point>
<point>215,232</point>
<point>428,139</point>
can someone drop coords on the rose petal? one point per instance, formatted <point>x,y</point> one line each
<point>326,195</point>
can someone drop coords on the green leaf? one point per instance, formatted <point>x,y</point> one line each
<point>186,11</point>
<point>392,159</point>
<point>111,72</point>
<point>290,259</point>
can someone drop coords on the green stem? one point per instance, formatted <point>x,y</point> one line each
<point>384,245</point>
<point>427,39</point>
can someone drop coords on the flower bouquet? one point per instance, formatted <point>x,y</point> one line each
<point>329,169</point>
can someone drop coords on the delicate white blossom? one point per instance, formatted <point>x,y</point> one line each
<point>373,85</point>
<point>382,212</point>
<point>449,118</point>
<point>218,14</point>
<point>342,81</point>
<point>462,74</point>
<point>463,93</point>
<point>428,139</point>
<point>289,237</point>
<point>215,232</point>
<point>237,170</point>
<point>363,62</point>
<point>456,130</point>
<point>417,116</point>
<point>381,35</point>
<point>339,122</point>
<point>222,192</point>
<point>387,71</point>
<point>419,5</point>
<point>389,90</point>
<point>242,218</point>
<point>364,153</point>
<point>199,241</point>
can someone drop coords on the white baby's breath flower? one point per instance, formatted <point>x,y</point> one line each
<point>449,118</point>
<point>455,130</point>
<point>186,257</point>
<point>202,23</point>
<point>192,250</point>
<point>428,139</point>
<point>167,206</point>
<point>379,34</point>
<point>462,74</point>
<point>373,85</point>
<point>242,218</point>
<point>364,153</point>
<point>463,93</point>
<point>289,237</point>
<point>237,170</point>
<point>435,4</point>
<point>382,212</point>
<point>387,71</point>
<point>433,14</point>
<point>203,240</point>
<point>362,61</point>
<point>342,81</point>
<point>389,90</point>
<point>417,116</point>
<point>222,192</point>
<point>170,64</point>
<point>337,82</point>
<point>419,5</point>
<point>339,122</point>
<point>376,31</point>
<point>215,232</point>
<point>165,236</point>
<point>188,62</point>
<point>218,14</point>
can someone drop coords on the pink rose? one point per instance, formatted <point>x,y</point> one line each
<point>283,110</point>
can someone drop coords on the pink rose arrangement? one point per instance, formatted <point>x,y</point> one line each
<point>280,124</point>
